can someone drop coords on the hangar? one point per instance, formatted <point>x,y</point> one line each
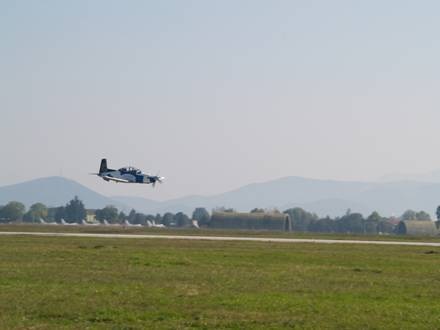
<point>417,228</point>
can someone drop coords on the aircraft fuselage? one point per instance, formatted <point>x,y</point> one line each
<point>126,175</point>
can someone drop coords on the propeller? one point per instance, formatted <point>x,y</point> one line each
<point>157,178</point>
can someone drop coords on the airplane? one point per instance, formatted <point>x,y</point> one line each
<point>128,224</point>
<point>153,224</point>
<point>46,223</point>
<point>63,222</point>
<point>85,223</point>
<point>126,174</point>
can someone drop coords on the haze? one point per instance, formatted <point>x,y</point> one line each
<point>218,94</point>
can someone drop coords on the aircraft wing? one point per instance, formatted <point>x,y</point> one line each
<point>115,179</point>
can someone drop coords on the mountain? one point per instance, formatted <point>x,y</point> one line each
<point>324,197</point>
<point>433,176</point>
<point>54,191</point>
<point>332,207</point>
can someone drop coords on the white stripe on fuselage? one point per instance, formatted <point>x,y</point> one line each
<point>117,176</point>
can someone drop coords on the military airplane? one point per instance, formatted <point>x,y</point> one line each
<point>127,174</point>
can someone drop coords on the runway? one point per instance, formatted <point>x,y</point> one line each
<point>222,238</point>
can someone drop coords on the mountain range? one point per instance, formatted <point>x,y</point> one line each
<point>324,197</point>
<point>54,191</point>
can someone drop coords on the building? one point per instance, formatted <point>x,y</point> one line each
<point>90,215</point>
<point>417,228</point>
<point>251,221</point>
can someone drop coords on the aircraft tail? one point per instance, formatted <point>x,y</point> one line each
<point>103,167</point>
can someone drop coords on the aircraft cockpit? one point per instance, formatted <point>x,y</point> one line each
<point>130,169</point>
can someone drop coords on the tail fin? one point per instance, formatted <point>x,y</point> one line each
<point>103,167</point>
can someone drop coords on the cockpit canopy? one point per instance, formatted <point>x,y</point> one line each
<point>130,169</point>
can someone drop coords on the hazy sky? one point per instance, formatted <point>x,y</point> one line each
<point>218,94</point>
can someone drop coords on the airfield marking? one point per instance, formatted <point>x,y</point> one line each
<point>223,238</point>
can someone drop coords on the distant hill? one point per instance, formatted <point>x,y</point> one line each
<point>54,191</point>
<point>324,197</point>
<point>433,176</point>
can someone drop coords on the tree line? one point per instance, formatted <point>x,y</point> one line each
<point>352,222</point>
<point>75,211</point>
<point>303,221</point>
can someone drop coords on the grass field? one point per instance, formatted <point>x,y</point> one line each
<point>51,282</point>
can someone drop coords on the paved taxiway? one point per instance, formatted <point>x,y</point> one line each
<point>222,238</point>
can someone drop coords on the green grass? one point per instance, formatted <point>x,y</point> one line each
<point>60,282</point>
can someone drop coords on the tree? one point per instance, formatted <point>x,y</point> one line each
<point>75,210</point>
<point>371,224</point>
<point>122,216</point>
<point>131,215</point>
<point>326,225</point>
<point>202,216</point>
<point>351,223</point>
<point>36,212</point>
<point>371,227</point>
<point>374,217</point>
<point>109,213</point>
<point>13,211</point>
<point>437,213</point>
<point>423,216</point>
<point>301,219</point>
<point>412,215</point>
<point>150,217</point>
<point>168,219</point>
<point>140,218</point>
<point>409,215</point>
<point>51,213</point>
<point>257,210</point>
<point>182,220</point>
<point>60,213</point>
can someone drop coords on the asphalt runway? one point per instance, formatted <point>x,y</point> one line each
<point>222,238</point>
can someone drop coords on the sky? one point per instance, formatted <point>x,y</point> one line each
<point>218,94</point>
